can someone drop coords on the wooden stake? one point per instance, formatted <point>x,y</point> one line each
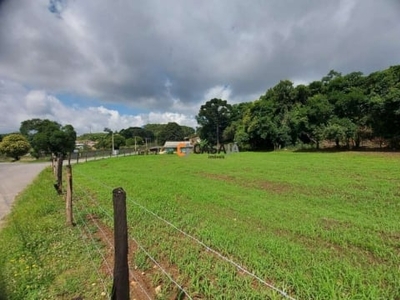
<point>120,289</point>
<point>58,184</point>
<point>68,199</point>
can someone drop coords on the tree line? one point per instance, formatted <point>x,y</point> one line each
<point>149,134</point>
<point>39,137</point>
<point>346,110</point>
<point>45,137</point>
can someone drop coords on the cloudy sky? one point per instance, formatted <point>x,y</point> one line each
<point>122,63</point>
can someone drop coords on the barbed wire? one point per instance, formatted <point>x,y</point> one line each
<point>151,258</point>
<point>91,257</point>
<point>241,268</point>
<point>223,257</point>
<point>111,244</point>
<point>161,268</point>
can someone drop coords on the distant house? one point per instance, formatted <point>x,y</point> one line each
<point>155,149</point>
<point>84,143</point>
<point>171,146</point>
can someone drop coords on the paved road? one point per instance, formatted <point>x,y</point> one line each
<point>14,177</point>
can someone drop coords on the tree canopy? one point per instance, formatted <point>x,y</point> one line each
<point>49,137</point>
<point>106,140</point>
<point>214,117</point>
<point>345,109</point>
<point>171,132</point>
<point>14,146</point>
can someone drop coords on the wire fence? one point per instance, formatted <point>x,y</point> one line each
<point>85,232</point>
<point>230,261</point>
<point>105,236</point>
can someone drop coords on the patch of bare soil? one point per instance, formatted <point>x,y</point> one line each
<point>274,187</point>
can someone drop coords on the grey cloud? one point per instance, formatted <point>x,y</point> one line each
<point>127,51</point>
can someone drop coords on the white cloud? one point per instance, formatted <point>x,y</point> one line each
<point>219,91</point>
<point>20,104</point>
<point>169,57</point>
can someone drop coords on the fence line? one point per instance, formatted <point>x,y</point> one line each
<point>110,243</point>
<point>91,257</point>
<point>161,268</point>
<point>140,246</point>
<point>243,269</point>
<point>283,293</point>
<point>99,154</point>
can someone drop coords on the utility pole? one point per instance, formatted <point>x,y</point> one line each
<point>135,145</point>
<point>112,142</point>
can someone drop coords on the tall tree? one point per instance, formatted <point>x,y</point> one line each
<point>278,102</point>
<point>214,117</point>
<point>50,137</point>
<point>234,132</point>
<point>318,111</point>
<point>258,130</point>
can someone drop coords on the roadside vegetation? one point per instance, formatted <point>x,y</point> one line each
<point>41,258</point>
<point>314,225</point>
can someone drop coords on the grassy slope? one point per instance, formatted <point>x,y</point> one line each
<point>320,226</point>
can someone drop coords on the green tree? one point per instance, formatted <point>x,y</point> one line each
<point>107,142</point>
<point>155,129</point>
<point>258,127</point>
<point>318,111</point>
<point>386,117</point>
<point>236,124</point>
<point>301,93</point>
<point>137,140</point>
<point>171,132</point>
<point>188,131</point>
<point>50,137</point>
<point>214,117</point>
<point>133,132</point>
<point>111,140</point>
<point>91,136</point>
<point>268,120</point>
<point>14,146</point>
<point>340,130</point>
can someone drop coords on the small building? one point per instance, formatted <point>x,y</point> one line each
<point>171,146</point>
<point>155,149</point>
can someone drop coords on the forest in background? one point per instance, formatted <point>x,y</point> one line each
<point>345,111</point>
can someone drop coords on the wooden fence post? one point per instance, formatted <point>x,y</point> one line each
<point>68,200</point>
<point>58,185</point>
<point>54,164</point>
<point>120,289</point>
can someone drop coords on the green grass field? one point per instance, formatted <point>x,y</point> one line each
<point>314,225</point>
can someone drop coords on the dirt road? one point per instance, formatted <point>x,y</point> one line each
<point>15,177</point>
